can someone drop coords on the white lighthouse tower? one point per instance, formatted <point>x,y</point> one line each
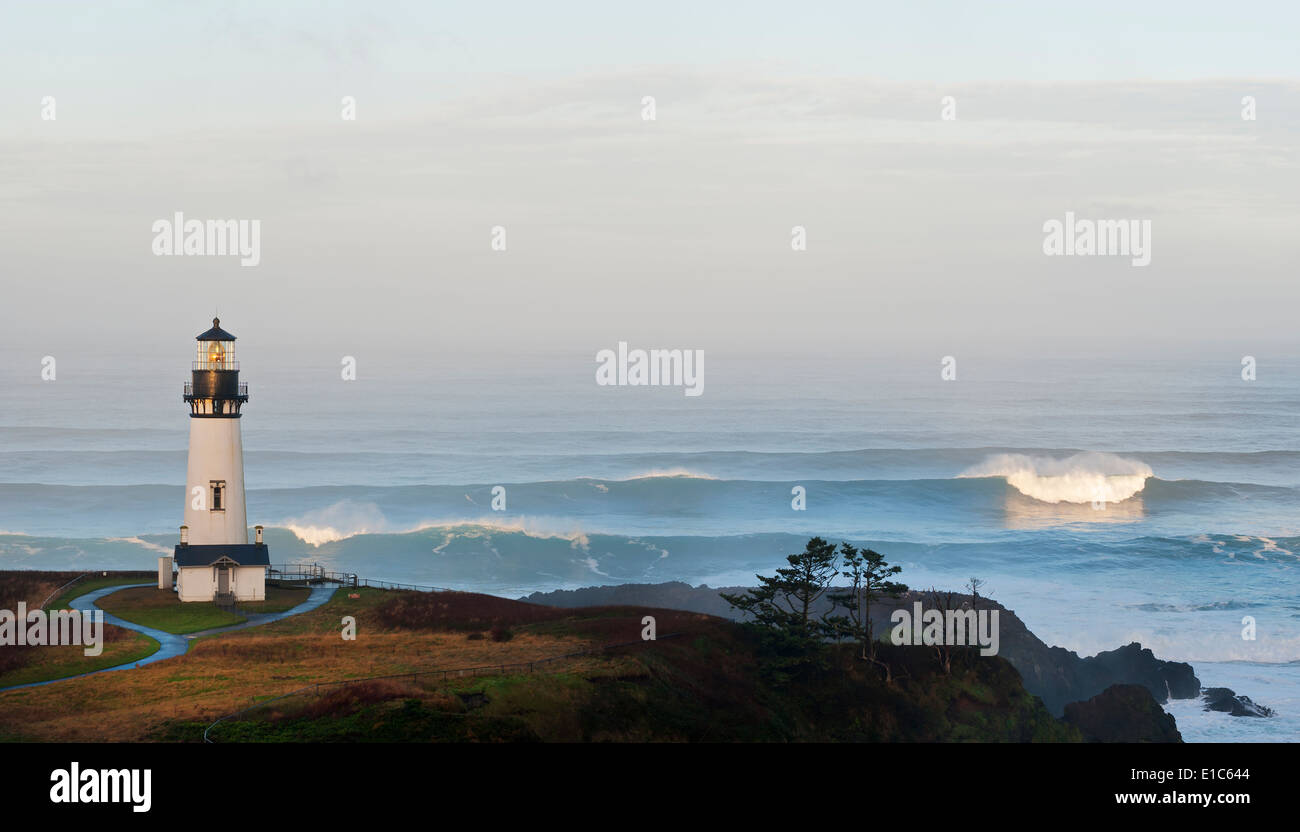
<point>214,560</point>
<point>214,508</point>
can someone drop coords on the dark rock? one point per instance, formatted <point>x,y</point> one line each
<point>1227,701</point>
<point>1123,713</point>
<point>1135,663</point>
<point>1059,676</point>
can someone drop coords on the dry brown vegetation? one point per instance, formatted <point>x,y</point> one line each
<point>461,611</point>
<point>717,681</point>
<point>350,697</point>
<point>33,586</point>
<point>30,587</point>
<point>227,672</point>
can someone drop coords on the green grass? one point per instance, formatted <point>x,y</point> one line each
<point>26,665</point>
<point>49,663</point>
<point>94,582</point>
<point>326,617</point>
<point>160,609</point>
<point>278,599</point>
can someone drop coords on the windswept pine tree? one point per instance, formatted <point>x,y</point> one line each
<point>783,609</point>
<point>870,577</point>
<point>788,600</point>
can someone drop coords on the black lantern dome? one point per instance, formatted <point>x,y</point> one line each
<point>215,334</point>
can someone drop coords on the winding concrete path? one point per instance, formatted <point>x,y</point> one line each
<point>171,644</point>
<point>320,593</point>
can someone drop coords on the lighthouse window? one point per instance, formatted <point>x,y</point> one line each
<point>218,495</point>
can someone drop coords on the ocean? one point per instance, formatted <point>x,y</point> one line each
<point>1104,498</point>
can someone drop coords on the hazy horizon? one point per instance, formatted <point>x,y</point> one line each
<point>676,232</point>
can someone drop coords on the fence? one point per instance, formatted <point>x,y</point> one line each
<point>433,673</point>
<point>56,592</point>
<point>305,572</point>
<point>315,573</point>
<point>59,591</point>
<point>387,585</point>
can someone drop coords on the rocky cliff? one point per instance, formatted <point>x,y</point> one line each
<point>1056,675</point>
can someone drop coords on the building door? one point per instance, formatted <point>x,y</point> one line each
<point>223,580</point>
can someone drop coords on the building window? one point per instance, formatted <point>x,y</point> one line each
<point>218,502</point>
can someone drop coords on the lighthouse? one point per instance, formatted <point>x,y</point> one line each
<point>214,560</point>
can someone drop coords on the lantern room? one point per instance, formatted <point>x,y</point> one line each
<point>216,349</point>
<point>214,389</point>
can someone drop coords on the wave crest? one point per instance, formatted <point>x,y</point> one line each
<point>342,520</point>
<point>346,519</point>
<point>1081,478</point>
<point>675,473</point>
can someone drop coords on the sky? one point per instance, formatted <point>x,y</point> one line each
<point>673,232</point>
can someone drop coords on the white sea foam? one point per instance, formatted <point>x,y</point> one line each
<point>342,520</point>
<point>471,529</point>
<point>663,473</point>
<point>347,519</point>
<point>1082,478</point>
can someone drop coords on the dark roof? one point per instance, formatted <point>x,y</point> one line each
<point>244,554</point>
<point>215,334</point>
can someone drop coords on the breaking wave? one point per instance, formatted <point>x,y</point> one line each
<point>664,473</point>
<point>1081,478</point>
<point>346,520</point>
